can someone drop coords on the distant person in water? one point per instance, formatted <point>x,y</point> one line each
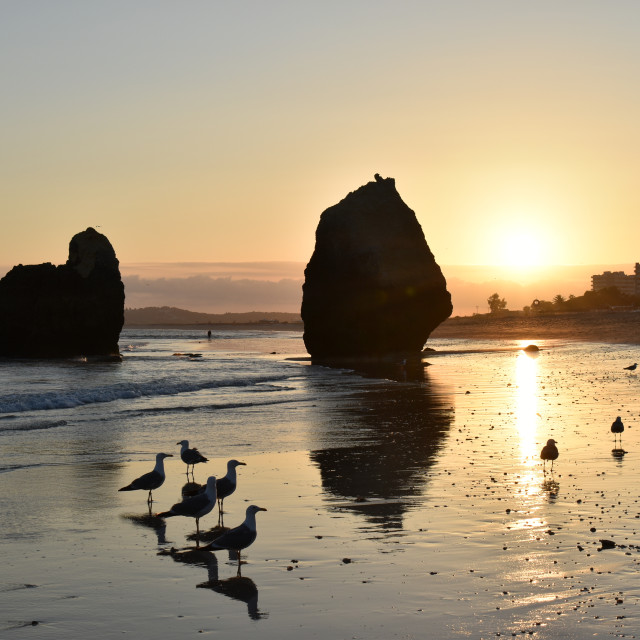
<point>209,334</point>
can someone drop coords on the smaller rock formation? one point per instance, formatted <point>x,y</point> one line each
<point>372,287</point>
<point>74,309</point>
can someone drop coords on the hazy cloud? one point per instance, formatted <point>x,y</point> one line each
<point>219,287</point>
<point>274,270</point>
<point>214,295</point>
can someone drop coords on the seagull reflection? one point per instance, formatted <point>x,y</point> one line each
<point>150,521</point>
<point>552,488</point>
<point>236,588</point>
<point>191,488</point>
<point>210,535</point>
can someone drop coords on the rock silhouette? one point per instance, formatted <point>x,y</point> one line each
<point>372,286</point>
<point>74,309</point>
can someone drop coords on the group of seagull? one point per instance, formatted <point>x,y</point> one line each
<point>201,503</point>
<point>550,451</point>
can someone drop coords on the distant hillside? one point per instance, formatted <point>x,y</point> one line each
<point>173,316</point>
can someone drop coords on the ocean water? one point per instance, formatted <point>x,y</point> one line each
<point>167,378</point>
<point>406,502</point>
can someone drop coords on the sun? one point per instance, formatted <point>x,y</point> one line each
<point>520,249</point>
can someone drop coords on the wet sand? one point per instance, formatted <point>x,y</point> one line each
<point>416,510</point>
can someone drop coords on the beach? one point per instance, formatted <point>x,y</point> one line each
<point>407,504</point>
<point>596,326</point>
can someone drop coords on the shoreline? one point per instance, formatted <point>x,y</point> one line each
<point>617,327</point>
<point>238,326</point>
<point>614,327</point>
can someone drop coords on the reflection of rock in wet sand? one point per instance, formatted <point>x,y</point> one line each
<point>237,588</point>
<point>380,445</point>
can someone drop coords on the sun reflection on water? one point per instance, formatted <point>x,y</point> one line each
<point>526,406</point>
<point>527,523</point>
<point>528,484</point>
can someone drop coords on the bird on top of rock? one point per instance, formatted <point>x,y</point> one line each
<point>227,484</point>
<point>617,427</point>
<point>191,457</point>
<point>549,452</point>
<point>632,367</point>
<point>152,480</point>
<point>195,506</point>
<point>239,537</point>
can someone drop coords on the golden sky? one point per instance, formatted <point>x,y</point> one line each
<point>205,131</point>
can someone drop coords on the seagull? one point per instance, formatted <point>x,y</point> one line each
<point>227,485</point>
<point>152,480</point>
<point>240,537</point>
<point>191,457</point>
<point>617,427</point>
<point>632,367</point>
<point>195,506</point>
<point>549,452</point>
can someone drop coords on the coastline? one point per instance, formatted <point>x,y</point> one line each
<point>616,327</point>
<point>237,326</point>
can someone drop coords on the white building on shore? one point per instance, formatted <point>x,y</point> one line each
<point>629,284</point>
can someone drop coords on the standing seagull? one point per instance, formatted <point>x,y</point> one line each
<point>240,537</point>
<point>549,452</point>
<point>617,427</point>
<point>227,485</point>
<point>152,480</point>
<point>195,506</point>
<point>191,457</point>
<point>632,367</point>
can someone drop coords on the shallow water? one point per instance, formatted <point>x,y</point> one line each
<point>396,509</point>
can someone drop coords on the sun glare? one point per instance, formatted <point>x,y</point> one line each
<point>519,249</point>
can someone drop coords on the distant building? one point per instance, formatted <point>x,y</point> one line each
<point>629,284</point>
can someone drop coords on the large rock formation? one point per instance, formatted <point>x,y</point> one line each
<point>372,287</point>
<point>70,310</point>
